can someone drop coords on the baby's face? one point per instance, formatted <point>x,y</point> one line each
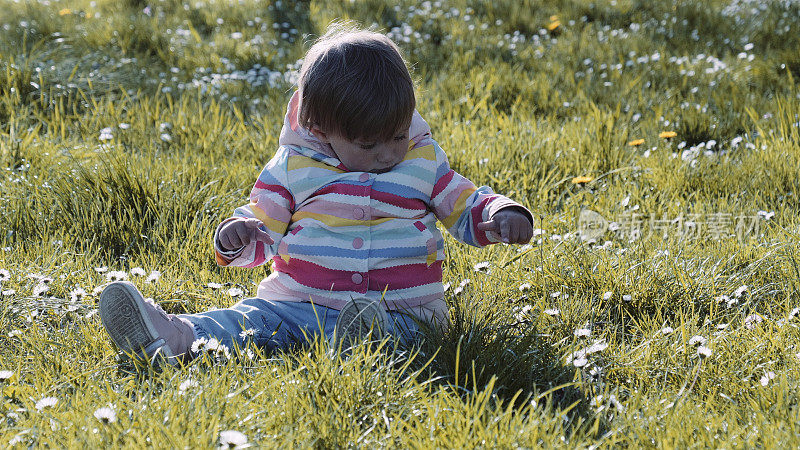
<point>363,155</point>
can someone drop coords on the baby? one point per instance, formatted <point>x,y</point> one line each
<point>346,210</point>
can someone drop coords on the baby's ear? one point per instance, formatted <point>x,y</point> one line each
<point>319,134</point>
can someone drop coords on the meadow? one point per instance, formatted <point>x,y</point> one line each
<point>657,143</point>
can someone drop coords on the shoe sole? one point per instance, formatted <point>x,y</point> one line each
<point>357,320</point>
<point>124,317</point>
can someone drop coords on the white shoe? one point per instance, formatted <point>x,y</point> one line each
<point>358,319</point>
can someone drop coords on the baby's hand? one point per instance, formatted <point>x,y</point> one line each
<point>512,226</point>
<point>240,232</point>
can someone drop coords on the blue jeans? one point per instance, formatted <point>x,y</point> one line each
<point>283,324</point>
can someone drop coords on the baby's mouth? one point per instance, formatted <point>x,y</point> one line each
<point>384,170</point>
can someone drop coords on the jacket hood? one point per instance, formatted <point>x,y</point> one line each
<point>294,134</point>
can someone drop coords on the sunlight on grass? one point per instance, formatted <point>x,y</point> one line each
<point>658,146</point>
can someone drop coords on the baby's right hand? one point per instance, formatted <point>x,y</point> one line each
<point>240,232</point>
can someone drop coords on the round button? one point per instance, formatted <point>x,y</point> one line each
<point>364,177</point>
<point>358,213</point>
<point>358,242</point>
<point>357,278</point>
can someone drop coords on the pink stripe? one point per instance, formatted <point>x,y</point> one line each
<point>342,188</point>
<point>316,276</point>
<point>420,226</point>
<point>405,276</point>
<point>259,255</point>
<point>477,217</point>
<point>297,229</point>
<point>398,201</point>
<point>276,188</point>
<point>442,183</point>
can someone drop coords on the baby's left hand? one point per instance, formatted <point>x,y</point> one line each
<point>512,226</point>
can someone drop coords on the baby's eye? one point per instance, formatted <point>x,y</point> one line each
<point>400,138</point>
<point>367,146</point>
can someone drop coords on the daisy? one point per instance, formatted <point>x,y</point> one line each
<point>752,321</point>
<point>7,292</point>
<point>247,333</point>
<point>199,345</point>
<point>552,311</point>
<point>40,289</point>
<point>188,384</point>
<point>5,275</point>
<point>116,275</point>
<point>153,277</point>
<point>703,351</point>
<point>6,375</point>
<point>213,285</point>
<point>739,292</point>
<point>698,340</point>
<point>106,415</point>
<point>77,294</point>
<point>235,292</point>
<point>666,331</point>
<point>137,272</point>
<point>232,439</point>
<point>46,402</point>
<point>524,287</point>
<point>767,377</point>
<point>482,267</point>
<point>101,269</point>
<point>607,295</point>
<point>582,332</point>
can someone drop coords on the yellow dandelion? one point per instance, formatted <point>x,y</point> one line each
<point>636,142</point>
<point>64,12</point>
<point>581,180</point>
<point>667,134</point>
<point>552,26</point>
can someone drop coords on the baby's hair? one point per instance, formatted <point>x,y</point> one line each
<point>354,83</point>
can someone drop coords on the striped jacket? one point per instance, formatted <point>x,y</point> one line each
<point>341,234</point>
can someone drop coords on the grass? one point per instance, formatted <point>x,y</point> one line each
<point>128,130</point>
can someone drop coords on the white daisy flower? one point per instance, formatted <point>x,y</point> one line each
<point>124,126</point>
<point>607,295</point>
<point>106,415</point>
<point>525,287</point>
<point>199,345</point>
<point>40,289</point>
<point>627,297</point>
<point>77,294</point>
<point>8,292</point>
<point>46,402</point>
<point>582,332</point>
<point>5,275</point>
<point>767,378</point>
<point>153,277</point>
<point>232,439</point>
<point>137,272</point>
<point>752,321</point>
<point>213,285</point>
<point>6,374</point>
<point>247,333</point>
<point>187,384</point>
<point>101,269</point>
<point>482,267</point>
<point>739,292</point>
<point>666,331</point>
<point>552,311</point>
<point>235,292</point>
<point>117,275</point>
<point>580,362</point>
<point>14,333</point>
<point>703,351</point>
<point>698,340</point>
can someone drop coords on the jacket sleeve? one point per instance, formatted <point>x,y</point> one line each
<point>272,203</point>
<point>461,206</point>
